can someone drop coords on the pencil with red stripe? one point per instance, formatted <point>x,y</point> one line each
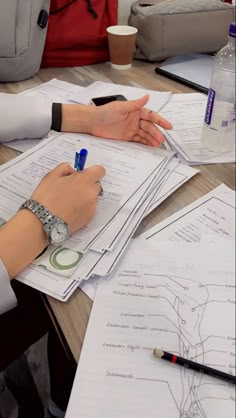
<point>194,366</point>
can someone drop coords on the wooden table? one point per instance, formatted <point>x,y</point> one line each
<point>72,317</point>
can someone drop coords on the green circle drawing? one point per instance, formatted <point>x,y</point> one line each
<point>53,259</point>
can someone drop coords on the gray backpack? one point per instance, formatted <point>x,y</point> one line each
<point>172,27</point>
<point>23,28</point>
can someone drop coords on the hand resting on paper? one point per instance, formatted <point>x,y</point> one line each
<point>125,121</point>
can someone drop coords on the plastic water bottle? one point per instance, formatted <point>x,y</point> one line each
<point>218,132</point>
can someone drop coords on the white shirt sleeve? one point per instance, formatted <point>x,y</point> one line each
<point>24,117</point>
<point>7,296</point>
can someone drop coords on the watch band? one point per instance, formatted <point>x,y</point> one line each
<point>43,214</point>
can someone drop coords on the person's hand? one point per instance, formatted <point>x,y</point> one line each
<point>71,195</point>
<point>129,121</point>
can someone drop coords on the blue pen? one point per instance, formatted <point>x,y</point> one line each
<point>80,159</point>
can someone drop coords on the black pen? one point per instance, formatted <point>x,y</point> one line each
<point>194,366</point>
<point>181,80</point>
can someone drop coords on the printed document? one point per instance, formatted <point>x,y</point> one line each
<point>179,298</point>
<point>156,101</point>
<point>95,264</point>
<point>19,177</point>
<point>186,113</point>
<point>212,215</point>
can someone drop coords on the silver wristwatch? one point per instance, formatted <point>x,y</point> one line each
<point>56,229</point>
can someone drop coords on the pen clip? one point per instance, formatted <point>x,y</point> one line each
<point>80,159</point>
<point>77,157</point>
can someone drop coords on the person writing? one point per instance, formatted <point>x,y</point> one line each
<point>68,196</point>
<point>32,117</point>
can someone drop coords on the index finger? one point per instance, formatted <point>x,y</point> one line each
<point>154,117</point>
<point>96,172</point>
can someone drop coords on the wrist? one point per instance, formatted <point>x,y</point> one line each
<point>22,239</point>
<point>57,231</point>
<point>77,118</point>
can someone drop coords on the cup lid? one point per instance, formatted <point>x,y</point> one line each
<point>232,30</point>
<point>122,30</point>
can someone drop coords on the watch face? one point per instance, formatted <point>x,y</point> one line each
<point>59,233</point>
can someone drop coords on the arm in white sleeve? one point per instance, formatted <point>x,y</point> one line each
<point>7,296</point>
<point>24,116</point>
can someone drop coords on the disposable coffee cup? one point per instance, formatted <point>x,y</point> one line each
<point>122,41</point>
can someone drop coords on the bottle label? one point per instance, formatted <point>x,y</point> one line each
<point>223,117</point>
<point>210,106</point>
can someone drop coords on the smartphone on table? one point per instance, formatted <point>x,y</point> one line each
<point>100,101</point>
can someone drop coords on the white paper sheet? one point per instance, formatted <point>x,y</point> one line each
<point>186,113</point>
<point>95,263</point>
<point>109,238</point>
<point>55,89</point>
<point>59,287</point>
<point>213,214</point>
<point>105,264</point>
<point>175,180</point>
<point>98,264</point>
<point>177,298</point>
<point>156,101</point>
<point>89,287</point>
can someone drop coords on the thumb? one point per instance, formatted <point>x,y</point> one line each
<point>132,105</point>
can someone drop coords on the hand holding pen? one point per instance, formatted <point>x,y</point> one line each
<point>70,195</point>
<point>80,161</point>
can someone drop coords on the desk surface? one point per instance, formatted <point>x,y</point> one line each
<point>73,316</point>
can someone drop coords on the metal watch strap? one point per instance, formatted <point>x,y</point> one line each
<point>43,214</point>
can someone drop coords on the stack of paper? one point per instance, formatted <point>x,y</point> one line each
<point>175,296</point>
<point>186,113</point>
<point>211,216</point>
<point>129,194</point>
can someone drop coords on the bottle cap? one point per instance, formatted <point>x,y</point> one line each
<point>232,30</point>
